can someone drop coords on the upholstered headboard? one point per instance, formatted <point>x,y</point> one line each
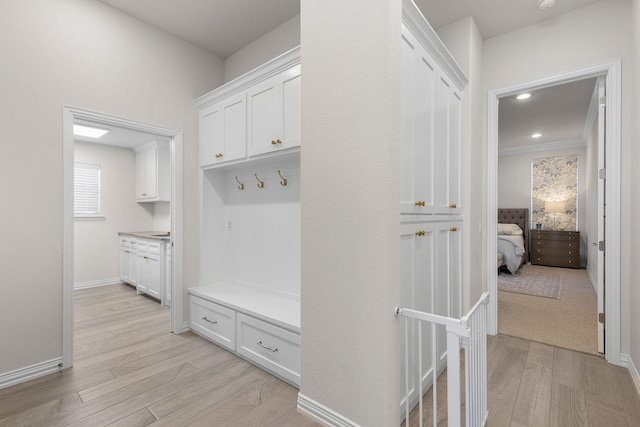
<point>518,216</point>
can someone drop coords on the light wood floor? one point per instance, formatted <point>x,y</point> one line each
<point>130,371</point>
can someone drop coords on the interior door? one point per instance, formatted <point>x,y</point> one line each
<point>601,211</point>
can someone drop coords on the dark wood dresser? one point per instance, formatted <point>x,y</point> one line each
<point>555,248</point>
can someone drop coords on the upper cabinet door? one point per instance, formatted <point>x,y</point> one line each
<point>273,113</point>
<point>447,148</point>
<point>419,74</point>
<point>223,134</point>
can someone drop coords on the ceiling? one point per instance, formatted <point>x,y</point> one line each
<point>118,136</point>
<point>559,113</point>
<point>220,26</point>
<point>494,17</point>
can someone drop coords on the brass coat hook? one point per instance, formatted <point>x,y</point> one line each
<point>283,180</point>
<point>260,183</point>
<point>241,185</point>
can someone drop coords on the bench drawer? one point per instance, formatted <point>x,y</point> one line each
<point>213,321</point>
<point>269,346</point>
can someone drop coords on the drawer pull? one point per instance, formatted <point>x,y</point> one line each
<point>273,142</point>
<point>278,141</point>
<point>453,206</point>
<point>420,233</point>
<point>267,348</point>
<point>453,229</point>
<point>146,257</point>
<point>214,322</point>
<point>420,203</point>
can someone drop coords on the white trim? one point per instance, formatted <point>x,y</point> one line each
<point>321,413</point>
<point>275,66</point>
<point>592,114</point>
<point>415,21</point>
<point>612,71</point>
<point>557,145</point>
<point>627,362</point>
<point>186,326</point>
<point>30,372</point>
<point>70,114</point>
<point>96,283</point>
<point>88,217</point>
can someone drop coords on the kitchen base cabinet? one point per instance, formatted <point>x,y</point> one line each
<point>143,264</point>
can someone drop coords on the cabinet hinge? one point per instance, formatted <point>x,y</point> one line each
<point>601,318</point>
<point>602,173</point>
<point>603,101</point>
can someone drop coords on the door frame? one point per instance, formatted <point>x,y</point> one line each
<point>611,71</point>
<point>70,115</point>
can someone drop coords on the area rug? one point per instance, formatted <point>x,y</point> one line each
<point>531,280</point>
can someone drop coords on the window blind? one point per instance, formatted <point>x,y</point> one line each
<point>86,190</point>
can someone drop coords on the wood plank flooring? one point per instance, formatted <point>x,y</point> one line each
<point>130,371</point>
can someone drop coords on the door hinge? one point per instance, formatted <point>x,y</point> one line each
<point>601,245</point>
<point>602,173</point>
<point>603,101</point>
<point>601,318</point>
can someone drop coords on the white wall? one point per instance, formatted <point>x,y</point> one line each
<point>350,188</point>
<point>634,154</point>
<point>464,41</point>
<point>587,36</point>
<point>96,244</point>
<point>277,41</point>
<point>85,54</point>
<point>514,185</point>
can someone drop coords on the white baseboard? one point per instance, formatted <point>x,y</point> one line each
<point>627,362</point>
<point>321,413</point>
<point>96,283</point>
<point>30,372</point>
<point>186,326</point>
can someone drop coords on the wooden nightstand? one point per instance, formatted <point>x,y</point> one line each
<point>555,248</point>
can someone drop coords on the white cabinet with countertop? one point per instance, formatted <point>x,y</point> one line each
<point>153,172</point>
<point>143,262</point>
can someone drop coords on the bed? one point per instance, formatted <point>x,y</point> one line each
<point>512,245</point>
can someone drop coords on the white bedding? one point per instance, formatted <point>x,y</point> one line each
<point>512,248</point>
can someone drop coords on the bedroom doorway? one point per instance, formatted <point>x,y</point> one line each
<point>608,268</point>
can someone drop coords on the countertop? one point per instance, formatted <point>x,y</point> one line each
<point>153,235</point>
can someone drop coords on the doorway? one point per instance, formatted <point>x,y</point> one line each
<point>76,116</point>
<point>611,76</point>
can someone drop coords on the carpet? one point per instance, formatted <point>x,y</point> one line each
<point>531,280</point>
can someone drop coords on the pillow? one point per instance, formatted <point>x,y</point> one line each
<point>509,230</point>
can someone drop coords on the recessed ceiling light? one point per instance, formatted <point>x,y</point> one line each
<point>90,132</point>
<point>536,135</point>
<point>523,96</point>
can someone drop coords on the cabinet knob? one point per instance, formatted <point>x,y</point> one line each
<point>273,142</point>
<point>420,233</point>
<point>453,206</point>
<point>453,229</point>
<point>420,203</point>
<point>219,155</point>
<point>278,141</point>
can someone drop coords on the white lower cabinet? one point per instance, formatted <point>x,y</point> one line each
<point>264,344</point>
<point>143,263</point>
<point>273,348</point>
<point>213,321</point>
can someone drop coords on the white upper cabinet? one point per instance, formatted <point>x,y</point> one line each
<point>153,172</point>
<point>223,130</point>
<point>254,116</point>
<point>431,105</point>
<point>273,111</point>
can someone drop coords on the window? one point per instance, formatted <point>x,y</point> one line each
<point>86,191</point>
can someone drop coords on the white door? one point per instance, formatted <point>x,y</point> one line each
<point>601,212</point>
